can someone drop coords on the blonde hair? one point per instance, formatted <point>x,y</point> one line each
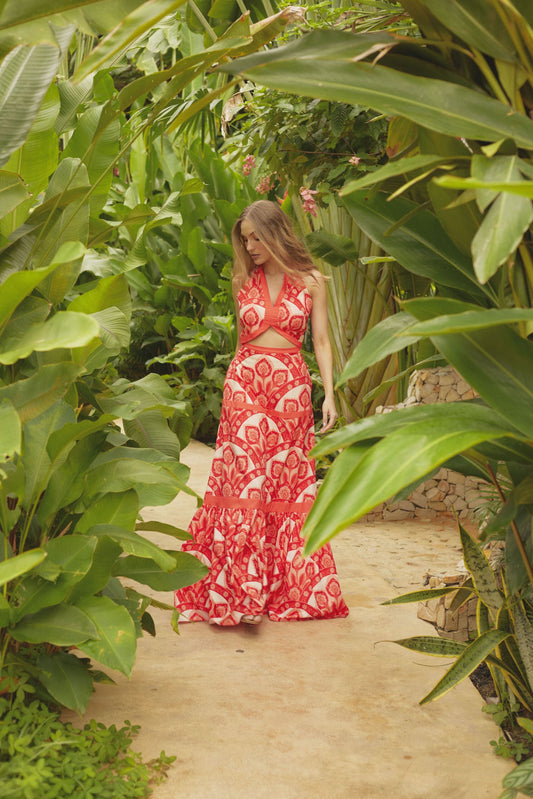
<point>274,229</point>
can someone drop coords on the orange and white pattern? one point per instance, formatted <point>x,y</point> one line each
<point>261,486</point>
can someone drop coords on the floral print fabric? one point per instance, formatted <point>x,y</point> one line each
<point>261,486</point>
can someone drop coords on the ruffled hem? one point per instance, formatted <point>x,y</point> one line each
<point>256,567</point>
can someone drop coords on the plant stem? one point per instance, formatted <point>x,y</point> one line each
<point>516,531</point>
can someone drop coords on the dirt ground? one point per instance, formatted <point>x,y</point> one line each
<point>315,709</point>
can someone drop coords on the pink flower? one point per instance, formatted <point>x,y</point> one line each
<point>248,164</point>
<point>308,200</point>
<point>354,160</point>
<point>265,184</point>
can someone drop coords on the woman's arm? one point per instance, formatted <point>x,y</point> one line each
<point>322,347</point>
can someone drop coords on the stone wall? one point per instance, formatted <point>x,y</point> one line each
<point>445,493</point>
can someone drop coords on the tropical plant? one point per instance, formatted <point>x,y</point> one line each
<point>42,756</point>
<point>453,206</point>
<point>82,450</point>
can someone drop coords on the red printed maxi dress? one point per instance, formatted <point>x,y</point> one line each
<point>262,482</point>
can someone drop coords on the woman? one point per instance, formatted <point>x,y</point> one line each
<point>262,483</point>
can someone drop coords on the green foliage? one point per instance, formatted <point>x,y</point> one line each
<point>40,756</point>
<point>84,450</point>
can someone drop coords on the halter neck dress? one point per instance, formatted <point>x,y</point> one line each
<point>262,482</point>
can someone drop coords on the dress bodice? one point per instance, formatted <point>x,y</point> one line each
<point>288,316</point>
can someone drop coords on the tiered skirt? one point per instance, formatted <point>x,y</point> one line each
<point>261,486</point>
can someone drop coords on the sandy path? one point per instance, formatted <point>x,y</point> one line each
<point>316,709</point>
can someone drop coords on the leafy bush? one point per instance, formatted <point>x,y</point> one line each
<point>41,756</point>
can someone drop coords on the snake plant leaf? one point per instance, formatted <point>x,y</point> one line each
<point>482,574</point>
<point>521,777</point>
<point>381,340</point>
<point>474,654</point>
<point>357,483</point>
<point>433,645</point>
<point>419,243</point>
<point>115,642</point>
<point>524,638</point>
<point>324,64</point>
<point>420,596</point>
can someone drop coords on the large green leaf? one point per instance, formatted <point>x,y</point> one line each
<point>495,361</point>
<point>13,192</point>
<point>15,13</point>
<point>404,457</point>
<point>188,570</point>
<point>12,568</point>
<point>64,330</point>
<point>96,579</point>
<point>10,431</point>
<point>66,678</point>
<point>69,559</point>
<point>381,340</point>
<point>35,459</point>
<point>17,287</point>
<point>478,24</point>
<point>128,31</point>
<point>150,429</point>
<point>323,64</point>
<point>381,425</point>
<point>38,392</point>
<point>36,160</point>
<point>115,644</point>
<point>120,510</point>
<point>25,76</point>
<point>95,141</point>
<point>505,222</point>
<point>63,625</point>
<point>401,167</point>
<point>121,474</point>
<point>419,244</point>
<point>67,482</point>
<point>469,320</point>
<point>135,544</point>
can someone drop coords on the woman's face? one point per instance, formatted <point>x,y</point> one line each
<point>254,246</point>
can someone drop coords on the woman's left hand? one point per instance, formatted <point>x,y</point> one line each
<point>329,414</point>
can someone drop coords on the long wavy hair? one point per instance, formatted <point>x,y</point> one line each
<point>275,231</point>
